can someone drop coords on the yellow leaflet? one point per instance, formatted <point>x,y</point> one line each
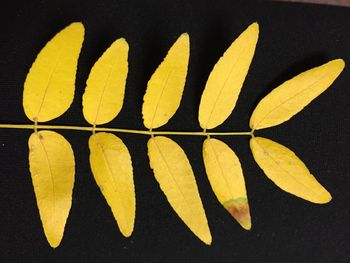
<point>111,166</point>
<point>164,89</point>
<point>49,86</point>
<point>51,162</point>
<point>226,178</point>
<point>176,179</point>
<point>287,171</point>
<point>225,81</point>
<point>104,93</point>
<point>293,95</point>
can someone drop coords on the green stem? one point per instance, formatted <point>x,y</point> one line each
<point>100,129</point>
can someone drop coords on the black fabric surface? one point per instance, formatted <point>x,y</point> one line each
<point>293,38</point>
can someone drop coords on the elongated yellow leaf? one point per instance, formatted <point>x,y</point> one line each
<point>104,93</point>
<point>51,161</point>
<point>176,179</point>
<point>226,79</point>
<point>49,86</point>
<point>111,166</point>
<point>293,95</point>
<point>226,178</point>
<point>164,89</point>
<point>287,171</point>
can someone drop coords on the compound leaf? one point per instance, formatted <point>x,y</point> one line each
<point>112,169</point>
<point>293,95</point>
<point>104,93</point>
<point>226,178</point>
<point>49,86</point>
<point>287,171</point>
<point>51,161</point>
<point>164,89</point>
<point>226,79</point>
<point>176,179</point>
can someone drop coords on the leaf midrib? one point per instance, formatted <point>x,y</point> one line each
<point>51,177</point>
<point>221,169</point>
<point>110,174</point>
<point>223,86</point>
<point>160,96</point>
<point>103,92</point>
<point>58,60</point>
<point>172,175</point>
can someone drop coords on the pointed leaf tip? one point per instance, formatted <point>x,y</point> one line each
<point>186,38</point>
<point>185,35</point>
<point>254,26</point>
<point>79,26</point>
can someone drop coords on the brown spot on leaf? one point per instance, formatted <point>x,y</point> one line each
<point>240,212</point>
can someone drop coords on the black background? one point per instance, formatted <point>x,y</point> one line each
<point>293,38</point>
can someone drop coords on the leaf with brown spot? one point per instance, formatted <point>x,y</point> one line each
<point>226,178</point>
